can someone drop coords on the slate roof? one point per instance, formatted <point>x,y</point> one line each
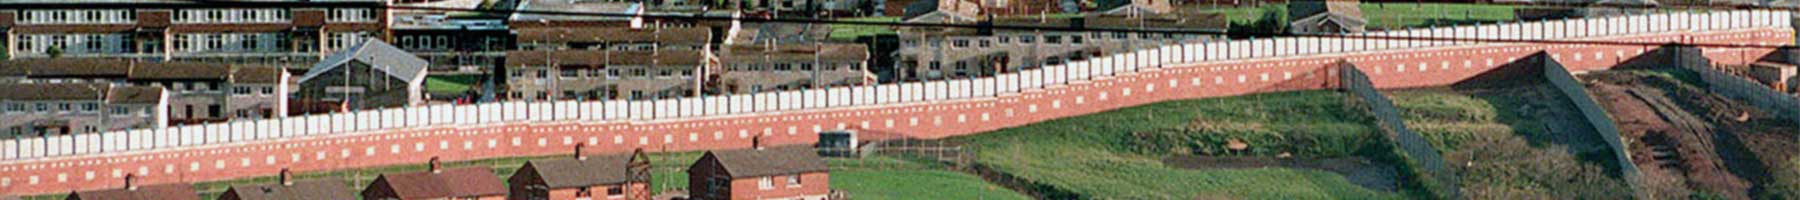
<point>136,95</point>
<point>586,6</point>
<point>794,52</point>
<point>173,191</point>
<point>65,67</point>
<point>323,189</point>
<point>135,70</point>
<point>379,55</point>
<point>681,35</point>
<point>770,161</point>
<point>257,74</point>
<point>571,172</point>
<point>665,58</point>
<point>459,182</point>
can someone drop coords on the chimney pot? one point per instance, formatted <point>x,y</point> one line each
<point>435,166</point>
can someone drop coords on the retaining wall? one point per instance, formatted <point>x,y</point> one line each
<point>1595,116</point>
<point>1414,146</point>
<point>927,110</point>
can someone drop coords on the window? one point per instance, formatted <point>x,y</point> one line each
<point>120,111</point>
<point>268,90</point>
<point>43,107</point>
<point>793,181</point>
<point>615,191</point>
<point>1053,39</point>
<point>765,183</point>
<point>1004,40</point>
<point>571,73</point>
<point>90,107</point>
<point>1074,40</point>
<point>985,44</point>
<point>1026,39</point>
<point>240,90</point>
<point>1121,35</point>
<point>15,107</point>
<point>959,43</point>
<point>806,67</point>
<point>65,107</point>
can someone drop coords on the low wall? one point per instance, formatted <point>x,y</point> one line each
<point>1694,60</point>
<point>1416,149</point>
<point>1595,116</point>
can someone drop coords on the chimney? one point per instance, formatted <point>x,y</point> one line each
<point>435,166</point>
<point>130,180</point>
<point>287,177</point>
<point>578,155</point>
<point>756,142</point>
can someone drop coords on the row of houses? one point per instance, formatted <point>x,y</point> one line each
<point>784,172</point>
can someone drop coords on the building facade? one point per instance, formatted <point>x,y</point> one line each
<point>607,75</point>
<point>927,53</point>
<point>294,32</point>
<point>198,92</point>
<point>583,177</point>
<point>50,109</point>
<point>370,75</point>
<point>788,172</point>
<point>759,68</point>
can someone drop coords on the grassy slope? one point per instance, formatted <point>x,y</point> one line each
<point>1088,154</point>
<point>1490,149</point>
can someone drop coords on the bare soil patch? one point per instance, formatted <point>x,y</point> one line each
<point>1692,143</point>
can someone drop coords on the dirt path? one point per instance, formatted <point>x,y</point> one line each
<point>1687,141</point>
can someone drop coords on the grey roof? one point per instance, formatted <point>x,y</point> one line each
<point>586,6</point>
<point>81,92</point>
<point>571,172</point>
<point>770,161</point>
<point>380,56</point>
<point>323,189</point>
<point>459,182</point>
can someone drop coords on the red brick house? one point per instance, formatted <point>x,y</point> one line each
<point>787,172</point>
<point>289,189</point>
<point>131,191</point>
<point>471,183</point>
<point>620,176</point>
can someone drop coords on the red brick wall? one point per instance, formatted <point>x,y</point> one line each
<point>598,191</point>
<point>934,120</point>
<point>811,184</point>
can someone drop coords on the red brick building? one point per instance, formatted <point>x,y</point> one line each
<point>131,191</point>
<point>787,172</point>
<point>471,183</point>
<point>620,176</point>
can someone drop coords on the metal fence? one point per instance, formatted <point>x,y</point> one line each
<point>1411,143</point>
<point>1736,87</point>
<point>375,121</point>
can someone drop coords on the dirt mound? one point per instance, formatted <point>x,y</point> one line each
<point>1689,142</point>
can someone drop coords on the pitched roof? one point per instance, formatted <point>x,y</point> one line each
<point>66,67</point>
<point>173,191</point>
<point>184,71</point>
<point>585,6</point>
<point>1143,7</point>
<point>667,58</point>
<point>770,161</point>
<point>135,70</point>
<point>459,182</point>
<point>571,172</point>
<point>257,74</point>
<point>81,92</point>
<point>52,91</point>
<point>136,95</point>
<point>1308,8</point>
<point>380,56</point>
<point>794,52</point>
<point>679,35</point>
<point>300,190</point>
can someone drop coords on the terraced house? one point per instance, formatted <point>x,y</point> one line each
<point>757,68</point>
<point>596,74</point>
<point>78,108</point>
<point>197,92</point>
<point>931,53</point>
<point>274,31</point>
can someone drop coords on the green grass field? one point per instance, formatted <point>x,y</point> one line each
<point>451,83</point>
<point>1096,156</point>
<point>1494,150</point>
<point>847,32</point>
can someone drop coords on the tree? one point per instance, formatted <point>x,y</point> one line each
<point>54,51</point>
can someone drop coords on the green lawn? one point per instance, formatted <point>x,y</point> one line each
<point>1116,154</point>
<point>848,32</point>
<point>882,177</point>
<point>1394,15</point>
<point>450,83</point>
